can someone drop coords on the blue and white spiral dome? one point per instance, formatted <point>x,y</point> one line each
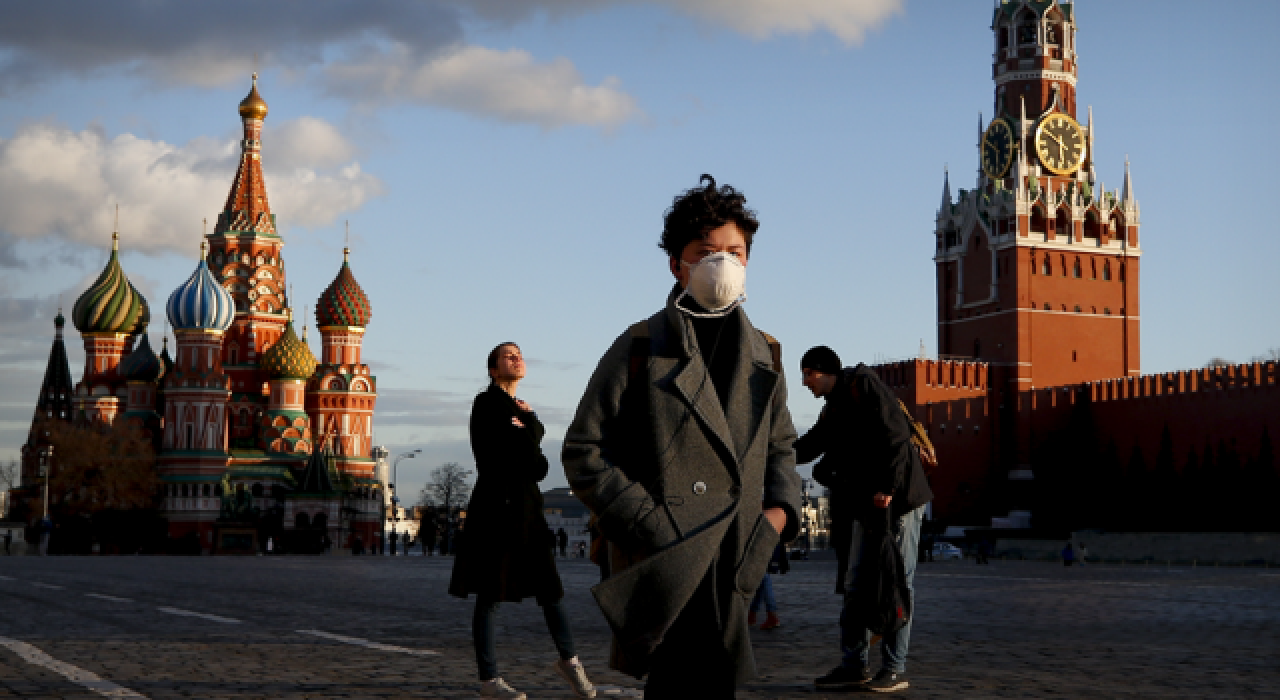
<point>201,303</point>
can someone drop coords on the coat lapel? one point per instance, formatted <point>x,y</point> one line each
<point>751,388</point>
<point>693,385</point>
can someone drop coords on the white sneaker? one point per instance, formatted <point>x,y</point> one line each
<point>576,676</point>
<point>498,688</point>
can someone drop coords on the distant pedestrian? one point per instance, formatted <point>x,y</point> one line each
<point>562,538</point>
<point>8,540</point>
<point>1084,553</point>
<point>429,532</point>
<point>395,539</point>
<point>270,545</point>
<point>764,594</point>
<point>357,546</point>
<point>982,551</point>
<point>505,557</point>
<point>1068,555</point>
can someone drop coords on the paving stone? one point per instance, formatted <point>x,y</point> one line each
<point>1009,630</point>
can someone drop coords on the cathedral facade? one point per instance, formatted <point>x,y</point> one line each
<point>251,428</point>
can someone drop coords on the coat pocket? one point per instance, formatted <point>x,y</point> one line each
<point>755,556</point>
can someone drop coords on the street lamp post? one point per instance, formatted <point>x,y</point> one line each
<point>395,477</point>
<point>46,523</point>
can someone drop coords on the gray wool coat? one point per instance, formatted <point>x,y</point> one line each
<point>677,482</point>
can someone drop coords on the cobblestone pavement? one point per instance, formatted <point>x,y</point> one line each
<point>245,628</point>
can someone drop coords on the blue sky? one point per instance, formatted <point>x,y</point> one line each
<point>505,172</point>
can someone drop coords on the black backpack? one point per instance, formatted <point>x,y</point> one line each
<point>880,597</point>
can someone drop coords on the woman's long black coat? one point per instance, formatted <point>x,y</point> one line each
<point>505,552</point>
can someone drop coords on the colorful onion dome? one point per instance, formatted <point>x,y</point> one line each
<point>201,303</point>
<point>344,303</point>
<point>141,365</point>
<point>253,106</point>
<point>289,358</point>
<point>111,305</point>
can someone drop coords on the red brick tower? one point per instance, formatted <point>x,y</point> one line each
<point>1037,265</point>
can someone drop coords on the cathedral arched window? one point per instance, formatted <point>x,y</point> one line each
<point>1106,271</point>
<point>1062,264</point>
<point>1046,307</point>
<point>1075,269</point>
<point>1063,224</point>
<point>1077,309</point>
<point>1093,269</point>
<point>1121,272</point>
<point>1048,267</point>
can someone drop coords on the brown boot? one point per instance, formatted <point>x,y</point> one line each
<point>770,621</point>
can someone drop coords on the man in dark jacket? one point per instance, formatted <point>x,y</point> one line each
<point>870,465</point>
<point>681,446</point>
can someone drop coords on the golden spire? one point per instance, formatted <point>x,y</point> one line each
<point>253,106</point>
<point>115,233</point>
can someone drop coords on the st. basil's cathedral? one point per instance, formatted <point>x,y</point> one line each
<point>242,412</point>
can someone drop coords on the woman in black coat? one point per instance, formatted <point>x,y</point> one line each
<point>504,556</point>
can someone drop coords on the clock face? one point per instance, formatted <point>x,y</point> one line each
<point>1060,144</point>
<point>997,149</point>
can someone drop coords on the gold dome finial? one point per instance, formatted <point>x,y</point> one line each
<point>204,250</point>
<point>253,106</point>
<point>115,240</point>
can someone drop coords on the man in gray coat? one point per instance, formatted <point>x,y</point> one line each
<point>682,448</point>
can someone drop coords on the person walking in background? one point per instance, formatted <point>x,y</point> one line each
<point>562,538</point>
<point>982,551</point>
<point>395,539</point>
<point>1068,555</point>
<point>505,557</point>
<point>764,594</point>
<point>428,532</point>
<point>1084,553</point>
<point>8,541</point>
<point>681,447</point>
<point>357,546</point>
<point>875,475</point>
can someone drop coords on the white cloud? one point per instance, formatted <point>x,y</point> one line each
<point>508,85</point>
<point>849,20</point>
<point>56,181</point>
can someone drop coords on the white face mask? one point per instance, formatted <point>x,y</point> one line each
<point>718,283</point>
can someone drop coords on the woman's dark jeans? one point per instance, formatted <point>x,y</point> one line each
<point>484,633</point>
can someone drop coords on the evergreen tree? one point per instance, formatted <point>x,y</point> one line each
<point>1189,485</point>
<point>1140,504</point>
<point>1165,488</point>
<point>1266,467</point>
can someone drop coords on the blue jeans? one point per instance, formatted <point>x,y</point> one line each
<point>764,596</point>
<point>855,643</point>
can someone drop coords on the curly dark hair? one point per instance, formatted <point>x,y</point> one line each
<point>698,211</point>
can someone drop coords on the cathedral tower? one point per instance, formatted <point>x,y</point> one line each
<point>245,257</point>
<point>343,393</point>
<point>109,315</point>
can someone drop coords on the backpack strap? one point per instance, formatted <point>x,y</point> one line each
<point>775,350</point>
<point>638,358</point>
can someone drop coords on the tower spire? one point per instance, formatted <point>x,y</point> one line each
<point>1127,197</point>
<point>945,206</point>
